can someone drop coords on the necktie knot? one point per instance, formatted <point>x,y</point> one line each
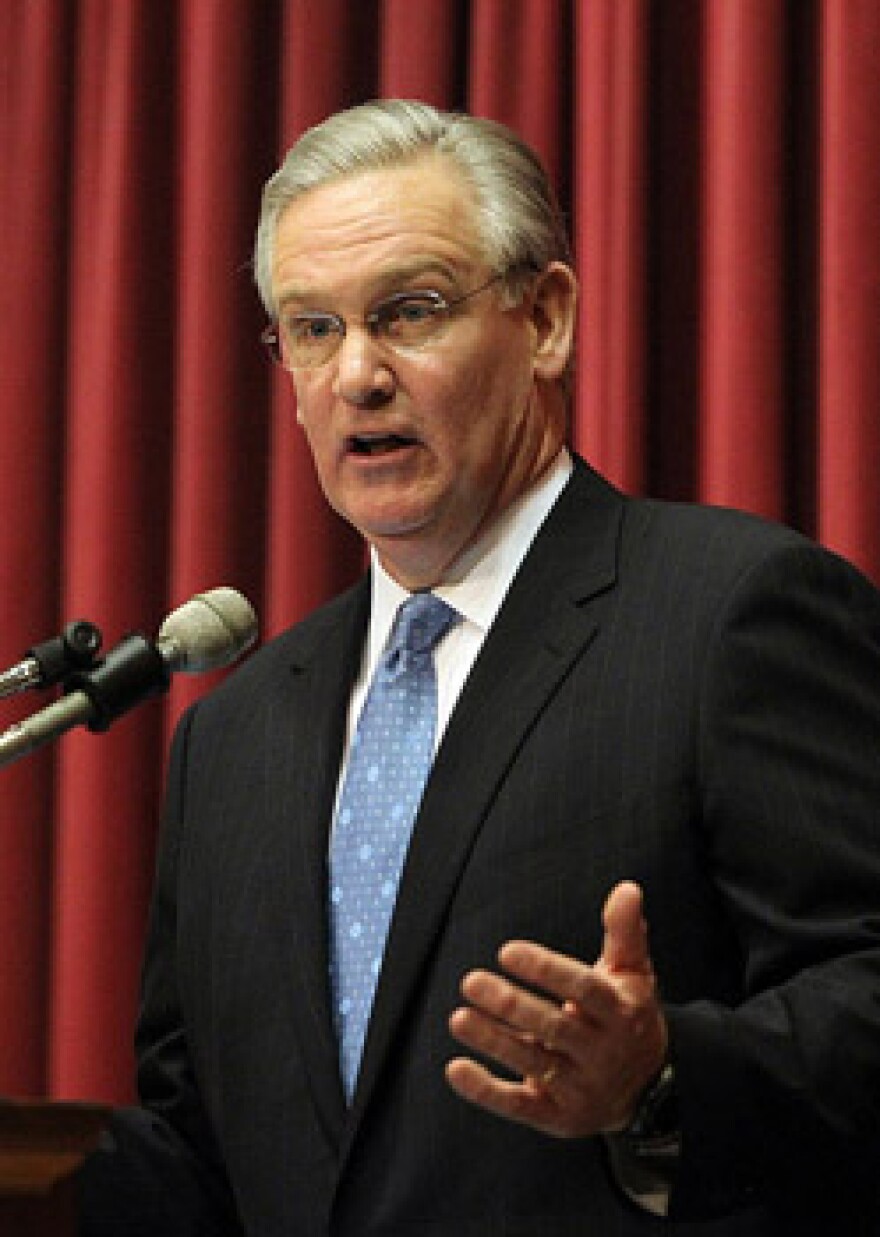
<point>421,621</point>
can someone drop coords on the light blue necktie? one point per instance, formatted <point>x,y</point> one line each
<point>388,764</point>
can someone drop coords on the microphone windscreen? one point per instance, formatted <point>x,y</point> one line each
<point>208,632</point>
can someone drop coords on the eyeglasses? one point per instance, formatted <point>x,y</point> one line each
<point>406,320</point>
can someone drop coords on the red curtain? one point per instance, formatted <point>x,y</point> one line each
<point>720,164</point>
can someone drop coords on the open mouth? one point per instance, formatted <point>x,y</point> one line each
<point>378,444</point>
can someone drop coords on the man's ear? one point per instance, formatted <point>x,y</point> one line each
<point>553,311</point>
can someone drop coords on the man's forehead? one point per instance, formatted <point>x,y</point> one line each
<point>428,185</point>
<point>389,225</point>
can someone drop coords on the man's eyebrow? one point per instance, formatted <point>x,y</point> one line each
<point>416,270</point>
<point>384,283</point>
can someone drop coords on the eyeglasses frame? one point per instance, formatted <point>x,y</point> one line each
<point>270,336</point>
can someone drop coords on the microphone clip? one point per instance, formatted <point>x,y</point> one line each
<point>131,672</point>
<point>75,649</point>
<point>51,661</point>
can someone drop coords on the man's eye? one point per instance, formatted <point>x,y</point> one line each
<point>407,312</point>
<point>307,329</point>
<point>416,310</point>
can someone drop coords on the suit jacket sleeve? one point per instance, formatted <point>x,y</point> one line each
<point>780,1088</point>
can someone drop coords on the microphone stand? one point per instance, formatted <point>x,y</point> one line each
<point>133,671</point>
<point>208,632</point>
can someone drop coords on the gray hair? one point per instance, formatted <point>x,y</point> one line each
<point>519,219</point>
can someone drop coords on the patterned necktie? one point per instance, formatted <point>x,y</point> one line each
<point>388,764</point>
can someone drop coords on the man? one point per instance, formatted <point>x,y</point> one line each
<point>645,718</point>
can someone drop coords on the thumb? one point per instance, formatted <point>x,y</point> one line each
<point>625,946</point>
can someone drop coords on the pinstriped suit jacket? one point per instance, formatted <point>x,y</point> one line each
<point>684,697</point>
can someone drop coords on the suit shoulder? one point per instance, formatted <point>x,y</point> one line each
<point>707,539</point>
<point>688,533</point>
<point>695,522</point>
<point>726,553</point>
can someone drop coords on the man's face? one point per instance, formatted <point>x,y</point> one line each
<point>418,449</point>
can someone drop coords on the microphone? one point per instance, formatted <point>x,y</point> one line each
<point>207,632</point>
<point>47,663</point>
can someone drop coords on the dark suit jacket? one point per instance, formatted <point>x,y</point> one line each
<point>683,697</point>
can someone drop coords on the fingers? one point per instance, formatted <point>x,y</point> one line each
<point>507,1028</point>
<point>567,980</point>
<point>625,947</point>
<point>526,1103</point>
<point>518,1052</point>
<point>578,1000</point>
<point>529,1033</point>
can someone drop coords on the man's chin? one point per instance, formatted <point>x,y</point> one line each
<point>401,524</point>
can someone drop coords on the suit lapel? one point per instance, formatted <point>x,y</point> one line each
<point>305,733</point>
<point>545,624</point>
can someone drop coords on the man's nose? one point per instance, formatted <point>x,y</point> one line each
<point>364,374</point>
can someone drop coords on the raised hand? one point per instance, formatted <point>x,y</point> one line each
<point>583,1040</point>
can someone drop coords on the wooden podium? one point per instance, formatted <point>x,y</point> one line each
<point>41,1147</point>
